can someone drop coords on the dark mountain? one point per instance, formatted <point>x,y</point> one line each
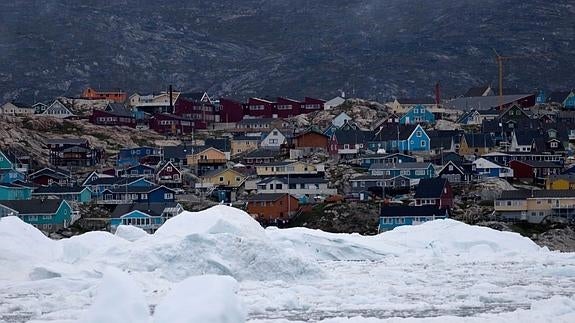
<point>370,48</point>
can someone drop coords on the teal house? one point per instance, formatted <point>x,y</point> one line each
<point>416,115</point>
<point>394,216</point>
<point>14,192</point>
<point>410,170</point>
<point>404,138</point>
<point>46,215</point>
<point>5,162</point>
<point>80,194</point>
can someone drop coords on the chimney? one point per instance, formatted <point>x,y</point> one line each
<point>171,98</point>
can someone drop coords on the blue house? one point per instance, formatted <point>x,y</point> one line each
<point>146,216</point>
<point>411,170</point>
<point>405,138</point>
<point>138,171</point>
<point>368,160</point>
<point>80,194</point>
<point>11,176</point>
<point>566,99</point>
<point>100,184</point>
<point>14,192</point>
<point>138,194</point>
<point>132,156</point>
<point>47,215</point>
<point>541,97</point>
<point>394,216</point>
<point>416,115</point>
<point>485,168</point>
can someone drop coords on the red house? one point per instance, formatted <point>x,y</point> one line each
<point>115,96</point>
<point>310,105</point>
<point>312,139</point>
<point>434,191</point>
<point>287,108</point>
<point>196,110</point>
<point>169,175</point>
<point>106,118</point>
<point>231,110</point>
<point>531,169</point>
<point>257,107</point>
<point>170,124</point>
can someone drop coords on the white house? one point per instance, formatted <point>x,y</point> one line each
<point>341,119</point>
<point>57,110</point>
<point>297,186</point>
<point>273,140</point>
<point>488,168</point>
<point>335,102</point>
<point>14,108</point>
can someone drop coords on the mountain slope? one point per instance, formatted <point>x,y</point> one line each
<point>372,48</point>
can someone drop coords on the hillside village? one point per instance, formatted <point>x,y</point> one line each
<point>104,159</point>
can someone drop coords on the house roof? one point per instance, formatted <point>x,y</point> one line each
<point>178,152</point>
<point>483,102</point>
<point>352,136</point>
<point>425,100</point>
<point>525,194</point>
<point>54,173</point>
<point>295,180</point>
<point>57,189</point>
<point>476,91</point>
<point>403,210</point>
<point>118,109</point>
<point>67,141</point>
<point>105,181</point>
<point>266,197</point>
<point>194,96</point>
<point>406,165</point>
<point>222,144</point>
<point>479,140</point>
<point>430,187</point>
<point>262,153</point>
<point>558,96</point>
<point>152,209</point>
<point>34,206</point>
<point>539,164</point>
<point>219,171</point>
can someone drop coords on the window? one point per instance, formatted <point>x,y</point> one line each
<point>554,144</point>
<point>420,172</point>
<point>423,143</point>
<point>279,186</point>
<point>46,217</point>
<point>168,196</point>
<point>143,196</point>
<point>238,179</point>
<point>411,142</point>
<point>33,218</point>
<point>450,167</point>
<point>508,203</point>
<point>418,133</point>
<point>221,178</point>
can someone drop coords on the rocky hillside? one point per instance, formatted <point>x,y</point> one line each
<point>28,135</point>
<point>367,48</point>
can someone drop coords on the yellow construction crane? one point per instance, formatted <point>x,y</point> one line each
<point>500,59</point>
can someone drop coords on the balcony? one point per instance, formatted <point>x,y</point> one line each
<point>211,161</point>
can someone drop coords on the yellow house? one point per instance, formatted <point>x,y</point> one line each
<point>209,155</point>
<point>476,144</point>
<point>560,182</point>
<point>286,168</point>
<point>222,177</point>
<point>534,205</point>
<point>244,144</point>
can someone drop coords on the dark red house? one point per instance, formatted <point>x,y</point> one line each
<point>106,118</point>
<point>196,110</point>
<point>312,139</point>
<point>169,175</point>
<point>170,124</point>
<point>257,107</point>
<point>287,108</point>
<point>231,110</point>
<point>434,191</point>
<point>530,169</point>
<point>310,105</point>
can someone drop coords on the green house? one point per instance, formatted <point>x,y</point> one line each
<point>14,192</point>
<point>46,215</point>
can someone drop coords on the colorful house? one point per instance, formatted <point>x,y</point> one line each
<point>537,171</point>
<point>49,176</point>
<point>169,175</point>
<point>416,115</point>
<point>78,194</point>
<point>288,168</point>
<point>565,99</point>
<point>434,191</point>
<point>132,156</point>
<point>14,192</point>
<point>486,168</point>
<point>222,177</point>
<point>394,216</point>
<point>414,171</point>
<point>273,140</point>
<point>406,138</point>
<point>311,139</point>
<point>146,216</point>
<point>129,194</point>
<point>11,176</point>
<point>367,160</point>
<point>242,144</point>
<point>205,159</point>
<point>47,215</point>
<point>272,208</point>
<point>57,110</point>
<point>476,144</point>
<point>560,182</point>
<point>139,170</point>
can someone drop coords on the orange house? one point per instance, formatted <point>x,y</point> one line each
<point>272,207</point>
<point>311,139</point>
<point>115,96</point>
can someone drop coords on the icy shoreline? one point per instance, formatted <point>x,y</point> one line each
<point>439,271</point>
